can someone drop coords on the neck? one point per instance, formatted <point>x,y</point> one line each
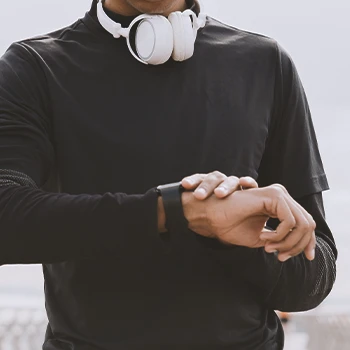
<point>136,7</point>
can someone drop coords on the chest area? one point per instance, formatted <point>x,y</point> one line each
<point>176,120</point>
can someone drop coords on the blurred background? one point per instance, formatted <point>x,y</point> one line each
<point>316,34</point>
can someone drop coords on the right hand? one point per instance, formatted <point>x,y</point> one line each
<point>240,218</point>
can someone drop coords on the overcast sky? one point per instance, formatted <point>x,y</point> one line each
<point>315,32</point>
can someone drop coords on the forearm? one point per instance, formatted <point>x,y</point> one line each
<point>41,227</point>
<point>297,284</point>
<point>161,216</point>
<point>302,284</point>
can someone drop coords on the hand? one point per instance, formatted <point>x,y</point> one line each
<point>300,238</point>
<point>239,219</point>
<point>216,183</point>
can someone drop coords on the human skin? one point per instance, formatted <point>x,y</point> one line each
<point>136,7</point>
<point>238,217</point>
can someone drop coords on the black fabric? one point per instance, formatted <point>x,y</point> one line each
<point>84,121</point>
<point>286,293</point>
<point>291,144</point>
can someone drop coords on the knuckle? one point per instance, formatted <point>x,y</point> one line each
<point>292,222</point>
<point>309,216</point>
<point>251,180</point>
<point>196,177</point>
<point>279,187</point>
<point>204,185</point>
<point>219,175</point>
<point>304,225</point>
<point>233,179</point>
<point>313,225</point>
<point>276,191</point>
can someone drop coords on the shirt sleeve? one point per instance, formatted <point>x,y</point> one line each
<point>295,285</point>
<point>298,284</point>
<point>304,284</point>
<point>291,155</point>
<point>292,159</point>
<point>37,226</point>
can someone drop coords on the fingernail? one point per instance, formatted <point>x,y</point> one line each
<point>271,250</point>
<point>189,181</point>
<point>285,258</point>
<point>201,191</point>
<point>312,255</point>
<point>222,189</point>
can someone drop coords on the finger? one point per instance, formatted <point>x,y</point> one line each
<point>290,247</point>
<point>248,182</point>
<point>192,182</point>
<point>227,187</point>
<point>302,238</point>
<point>283,212</point>
<point>209,184</point>
<point>267,229</point>
<point>310,250</point>
<point>303,232</point>
<point>299,239</point>
<point>311,247</point>
<point>295,234</point>
<point>295,251</point>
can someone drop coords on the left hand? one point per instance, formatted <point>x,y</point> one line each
<point>216,183</point>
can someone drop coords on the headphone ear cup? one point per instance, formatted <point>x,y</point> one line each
<point>183,36</point>
<point>154,40</point>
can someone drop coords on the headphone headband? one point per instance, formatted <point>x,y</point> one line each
<point>109,25</point>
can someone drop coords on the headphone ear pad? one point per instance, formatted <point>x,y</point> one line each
<point>154,40</point>
<point>183,36</point>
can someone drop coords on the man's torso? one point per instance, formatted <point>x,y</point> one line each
<point>120,126</point>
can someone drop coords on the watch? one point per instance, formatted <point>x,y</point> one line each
<point>174,214</point>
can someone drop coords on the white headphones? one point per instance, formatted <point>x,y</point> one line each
<point>157,37</point>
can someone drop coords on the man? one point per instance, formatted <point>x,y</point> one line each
<point>87,133</point>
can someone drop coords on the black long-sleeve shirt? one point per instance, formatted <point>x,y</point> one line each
<point>87,132</point>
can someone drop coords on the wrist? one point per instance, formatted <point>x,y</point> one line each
<point>161,216</point>
<point>195,212</point>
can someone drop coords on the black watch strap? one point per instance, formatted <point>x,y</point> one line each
<point>171,195</point>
